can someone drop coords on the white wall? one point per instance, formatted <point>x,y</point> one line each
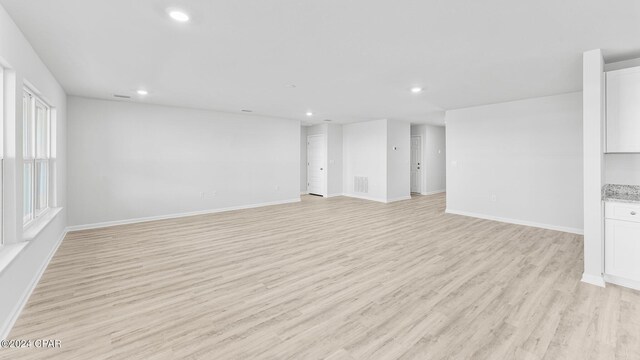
<point>22,65</point>
<point>528,154</point>
<point>132,160</point>
<point>398,160</point>
<point>365,154</point>
<point>303,159</point>
<point>368,152</point>
<point>433,157</point>
<point>622,169</point>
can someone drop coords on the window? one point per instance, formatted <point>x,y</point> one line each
<point>1,156</point>
<point>37,156</point>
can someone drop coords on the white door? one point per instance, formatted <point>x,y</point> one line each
<point>416,164</point>
<point>316,164</point>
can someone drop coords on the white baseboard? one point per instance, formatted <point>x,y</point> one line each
<point>304,192</point>
<point>386,201</point>
<point>408,197</point>
<point>334,195</point>
<point>593,280</point>
<point>632,284</point>
<point>6,327</point>
<point>175,216</point>
<point>433,192</point>
<point>364,197</point>
<point>517,222</point>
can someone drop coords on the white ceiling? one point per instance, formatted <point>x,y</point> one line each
<point>351,60</point>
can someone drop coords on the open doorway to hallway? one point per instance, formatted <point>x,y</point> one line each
<point>428,159</point>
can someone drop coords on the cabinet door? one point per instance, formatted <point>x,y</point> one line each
<point>622,249</point>
<point>623,110</point>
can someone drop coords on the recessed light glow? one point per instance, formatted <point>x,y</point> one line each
<point>309,113</point>
<point>142,92</point>
<point>416,90</point>
<point>178,15</point>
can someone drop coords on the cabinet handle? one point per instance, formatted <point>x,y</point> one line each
<point>633,213</point>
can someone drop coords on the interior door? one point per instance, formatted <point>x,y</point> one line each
<point>316,164</point>
<point>416,164</point>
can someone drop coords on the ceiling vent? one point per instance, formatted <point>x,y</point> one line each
<point>122,96</point>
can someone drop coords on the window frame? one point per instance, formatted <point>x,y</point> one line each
<point>34,155</point>
<point>3,109</point>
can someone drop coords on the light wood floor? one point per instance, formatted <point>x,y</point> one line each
<point>335,279</point>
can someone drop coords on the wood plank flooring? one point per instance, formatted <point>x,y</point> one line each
<point>336,279</point>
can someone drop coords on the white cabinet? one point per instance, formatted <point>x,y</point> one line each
<point>623,111</point>
<point>622,243</point>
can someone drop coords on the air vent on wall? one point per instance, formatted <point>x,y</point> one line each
<point>361,184</point>
<point>122,96</point>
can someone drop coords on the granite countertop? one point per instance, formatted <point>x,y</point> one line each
<point>621,193</point>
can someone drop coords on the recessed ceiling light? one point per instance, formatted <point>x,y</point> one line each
<point>416,90</point>
<point>178,15</point>
<point>142,92</point>
<point>246,110</point>
<point>309,113</point>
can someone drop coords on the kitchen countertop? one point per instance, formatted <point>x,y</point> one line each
<point>621,193</point>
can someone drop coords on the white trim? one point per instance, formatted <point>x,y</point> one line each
<point>517,222</point>
<point>304,193</point>
<point>398,199</point>
<point>174,216</point>
<point>593,280</point>
<point>364,197</point>
<point>632,284</point>
<point>386,201</point>
<point>433,192</point>
<point>8,324</point>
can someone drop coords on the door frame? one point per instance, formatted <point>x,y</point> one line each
<point>323,193</point>
<point>422,168</point>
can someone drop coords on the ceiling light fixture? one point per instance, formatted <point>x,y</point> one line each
<point>178,15</point>
<point>416,90</point>
<point>142,92</point>
<point>309,113</point>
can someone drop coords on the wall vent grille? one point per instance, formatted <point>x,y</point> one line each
<point>361,184</point>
